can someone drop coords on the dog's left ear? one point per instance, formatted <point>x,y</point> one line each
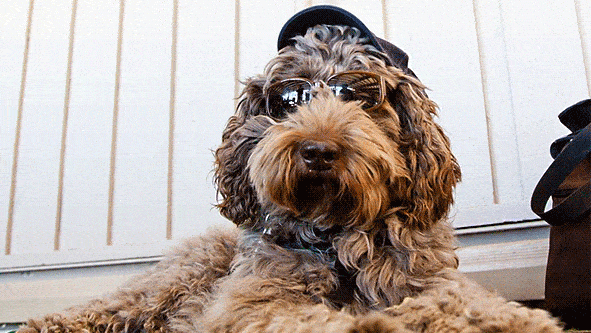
<point>237,198</point>
<point>433,168</point>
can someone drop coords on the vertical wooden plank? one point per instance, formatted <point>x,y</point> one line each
<point>114,129</point>
<point>37,178</point>
<point>86,177</point>
<point>505,159</point>
<point>172,117</point>
<point>140,198</point>
<point>65,121</point>
<point>547,75</point>
<point>440,38</point>
<point>204,102</point>
<point>13,15</point>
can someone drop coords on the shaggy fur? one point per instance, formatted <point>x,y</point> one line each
<point>361,246</point>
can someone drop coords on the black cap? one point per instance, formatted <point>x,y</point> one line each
<point>575,118</point>
<point>331,15</point>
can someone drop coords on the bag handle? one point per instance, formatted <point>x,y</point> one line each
<point>578,202</point>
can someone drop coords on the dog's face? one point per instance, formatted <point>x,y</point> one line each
<point>332,135</point>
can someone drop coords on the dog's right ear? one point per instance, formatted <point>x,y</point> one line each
<point>237,199</point>
<point>434,171</point>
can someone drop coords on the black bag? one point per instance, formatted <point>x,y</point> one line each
<point>568,182</point>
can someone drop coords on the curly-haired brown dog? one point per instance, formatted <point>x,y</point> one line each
<point>340,181</point>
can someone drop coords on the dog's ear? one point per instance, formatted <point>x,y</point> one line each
<point>237,199</point>
<point>433,169</point>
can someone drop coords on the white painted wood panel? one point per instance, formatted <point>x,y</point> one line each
<point>13,15</point>
<point>86,172</point>
<point>259,26</point>
<point>547,75</point>
<point>204,102</point>
<point>141,167</point>
<point>37,177</point>
<point>506,168</point>
<point>440,38</point>
<point>509,200</point>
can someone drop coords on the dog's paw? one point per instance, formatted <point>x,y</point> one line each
<point>378,323</point>
<point>513,317</point>
<point>54,323</point>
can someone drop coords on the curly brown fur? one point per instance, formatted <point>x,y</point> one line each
<point>164,299</point>
<point>361,246</point>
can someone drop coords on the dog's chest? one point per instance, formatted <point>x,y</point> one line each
<point>342,292</point>
<point>314,265</point>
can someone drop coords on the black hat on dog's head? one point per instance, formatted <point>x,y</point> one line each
<point>331,15</point>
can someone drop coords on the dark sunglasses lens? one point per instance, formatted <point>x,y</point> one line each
<point>357,87</point>
<point>286,96</point>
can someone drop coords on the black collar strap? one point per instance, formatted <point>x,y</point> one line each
<point>270,228</point>
<point>577,203</point>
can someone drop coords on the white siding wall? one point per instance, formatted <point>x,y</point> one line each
<point>109,109</point>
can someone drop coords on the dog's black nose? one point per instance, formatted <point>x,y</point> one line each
<point>319,156</point>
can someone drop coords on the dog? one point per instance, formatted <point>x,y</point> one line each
<point>340,182</point>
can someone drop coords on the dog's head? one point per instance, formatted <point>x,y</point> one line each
<point>334,135</point>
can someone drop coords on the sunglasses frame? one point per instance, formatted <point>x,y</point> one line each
<point>312,83</point>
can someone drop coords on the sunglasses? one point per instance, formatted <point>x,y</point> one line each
<point>285,96</point>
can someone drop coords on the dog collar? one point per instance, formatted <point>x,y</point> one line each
<point>322,243</point>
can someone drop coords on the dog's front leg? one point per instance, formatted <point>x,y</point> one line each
<point>276,306</point>
<point>276,317</point>
<point>460,305</point>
